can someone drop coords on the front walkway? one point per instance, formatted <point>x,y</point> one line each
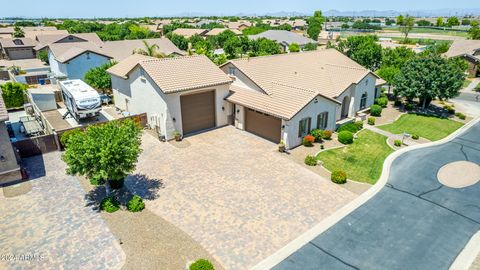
<point>48,220</point>
<point>234,193</point>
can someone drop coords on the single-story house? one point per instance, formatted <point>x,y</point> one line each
<point>240,25</point>
<point>7,32</point>
<point>32,34</point>
<point>28,71</point>
<point>121,49</point>
<point>217,31</point>
<point>17,48</point>
<point>324,37</point>
<point>470,51</point>
<point>189,32</point>
<point>9,168</point>
<point>284,97</point>
<point>284,38</point>
<point>183,94</point>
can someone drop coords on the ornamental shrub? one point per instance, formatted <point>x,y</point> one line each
<point>109,204</point>
<point>345,137</point>
<point>449,109</point>
<point>381,101</point>
<point>308,140</point>
<point>317,134</point>
<point>327,134</point>
<point>397,143</point>
<point>415,137</point>
<point>460,115</point>
<point>376,110</point>
<point>339,177</point>
<point>201,264</point>
<point>353,128</point>
<point>371,121</point>
<point>13,94</point>
<point>310,160</point>
<point>136,204</point>
<point>359,125</point>
<point>409,106</point>
<point>67,135</point>
<point>397,103</point>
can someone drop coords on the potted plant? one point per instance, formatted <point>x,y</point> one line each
<point>281,146</point>
<point>177,136</point>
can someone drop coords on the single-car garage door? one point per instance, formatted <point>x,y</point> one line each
<point>198,111</point>
<point>266,126</point>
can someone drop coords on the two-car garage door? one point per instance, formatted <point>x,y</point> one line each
<point>266,126</point>
<point>198,111</point>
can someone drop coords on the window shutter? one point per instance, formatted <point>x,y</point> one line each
<point>309,124</point>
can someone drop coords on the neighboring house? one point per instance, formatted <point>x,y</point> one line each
<point>182,94</point>
<point>17,48</point>
<point>9,168</point>
<point>121,49</point>
<point>327,36</point>
<point>284,97</point>
<point>470,51</point>
<point>33,34</point>
<point>28,71</point>
<point>240,26</point>
<point>7,32</point>
<point>217,31</point>
<point>189,32</point>
<point>284,38</point>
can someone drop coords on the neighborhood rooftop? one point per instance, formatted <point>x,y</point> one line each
<point>175,74</point>
<point>121,49</point>
<point>463,47</point>
<point>282,36</point>
<point>3,110</point>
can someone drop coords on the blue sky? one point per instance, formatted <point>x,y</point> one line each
<point>138,8</point>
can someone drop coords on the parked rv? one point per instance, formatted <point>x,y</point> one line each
<point>81,100</point>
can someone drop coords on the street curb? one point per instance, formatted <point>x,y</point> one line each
<point>468,255</point>
<point>328,222</point>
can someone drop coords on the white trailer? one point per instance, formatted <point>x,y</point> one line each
<point>81,100</point>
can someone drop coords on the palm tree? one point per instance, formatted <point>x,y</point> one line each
<point>150,50</point>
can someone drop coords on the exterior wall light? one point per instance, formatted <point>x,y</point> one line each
<point>3,159</point>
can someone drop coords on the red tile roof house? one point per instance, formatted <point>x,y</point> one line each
<point>278,97</point>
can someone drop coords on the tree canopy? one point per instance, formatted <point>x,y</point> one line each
<point>429,77</point>
<point>406,24</point>
<point>315,25</point>
<point>104,152</point>
<point>13,94</point>
<point>474,32</point>
<point>363,49</point>
<point>98,77</point>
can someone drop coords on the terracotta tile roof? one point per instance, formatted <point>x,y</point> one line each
<point>216,31</point>
<point>22,43</point>
<point>176,74</point>
<point>46,40</point>
<point>3,110</point>
<point>188,32</point>
<point>25,64</point>
<point>464,47</point>
<point>33,34</point>
<point>64,52</point>
<point>122,49</point>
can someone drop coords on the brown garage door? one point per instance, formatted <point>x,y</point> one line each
<point>198,111</point>
<point>263,125</point>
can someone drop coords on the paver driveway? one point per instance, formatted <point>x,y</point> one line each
<point>235,194</point>
<point>52,224</point>
<point>414,222</point>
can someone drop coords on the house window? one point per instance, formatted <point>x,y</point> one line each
<point>231,71</point>
<point>363,101</point>
<point>366,82</point>
<point>322,120</point>
<point>304,127</point>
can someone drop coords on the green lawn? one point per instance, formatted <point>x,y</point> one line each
<point>435,31</point>
<point>428,127</point>
<point>362,160</point>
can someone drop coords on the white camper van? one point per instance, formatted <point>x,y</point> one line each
<point>81,100</point>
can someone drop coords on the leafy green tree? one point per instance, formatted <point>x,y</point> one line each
<point>406,24</point>
<point>474,31</point>
<point>230,47</point>
<point>345,26</point>
<point>18,32</point>
<point>13,94</point>
<point>440,22</point>
<point>424,23</point>
<point>315,25</point>
<point>98,77</point>
<point>220,59</point>
<point>400,20</point>
<point>179,41</point>
<point>364,50</point>
<point>453,21</point>
<point>104,152</point>
<point>429,77</point>
<point>267,47</point>
<point>388,73</point>
<point>254,30</point>
<point>222,37</point>
<point>397,57</point>
<point>43,55</point>
<point>294,47</point>
<point>466,22</point>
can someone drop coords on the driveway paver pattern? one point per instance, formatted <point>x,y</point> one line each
<point>52,225</point>
<point>234,193</point>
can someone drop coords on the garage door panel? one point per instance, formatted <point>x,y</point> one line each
<point>265,126</point>
<point>198,111</point>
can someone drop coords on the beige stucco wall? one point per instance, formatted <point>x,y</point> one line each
<point>355,91</point>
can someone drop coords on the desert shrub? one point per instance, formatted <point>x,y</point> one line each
<point>201,264</point>
<point>397,143</point>
<point>310,160</point>
<point>317,134</point>
<point>397,103</point>
<point>353,128</point>
<point>371,121</point>
<point>339,177</point>
<point>136,204</point>
<point>109,204</point>
<point>381,101</point>
<point>67,135</point>
<point>376,110</point>
<point>409,106</point>
<point>327,134</point>
<point>415,137</point>
<point>460,115</point>
<point>308,140</point>
<point>449,109</point>
<point>345,137</point>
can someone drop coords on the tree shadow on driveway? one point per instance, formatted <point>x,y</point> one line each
<point>145,187</point>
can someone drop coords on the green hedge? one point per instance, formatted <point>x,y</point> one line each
<point>136,204</point>
<point>201,264</point>
<point>13,94</point>
<point>376,110</point>
<point>345,137</point>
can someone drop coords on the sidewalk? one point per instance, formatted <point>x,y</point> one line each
<point>391,136</point>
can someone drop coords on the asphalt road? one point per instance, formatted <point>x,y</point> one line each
<point>414,222</point>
